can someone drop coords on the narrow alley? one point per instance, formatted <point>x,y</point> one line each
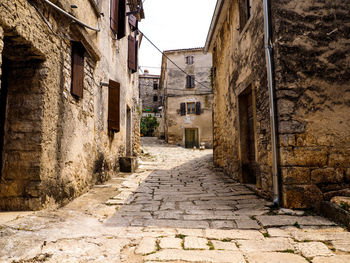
<point>175,208</point>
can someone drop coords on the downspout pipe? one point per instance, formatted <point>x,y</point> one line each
<point>271,88</point>
<point>70,16</point>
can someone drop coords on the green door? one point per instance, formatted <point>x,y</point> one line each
<point>191,138</point>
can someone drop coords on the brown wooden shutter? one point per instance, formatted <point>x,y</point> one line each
<point>132,54</point>
<point>243,14</point>
<point>77,83</point>
<point>121,19</point>
<point>114,106</point>
<point>198,108</point>
<point>136,54</point>
<point>114,16</point>
<point>188,81</point>
<point>183,109</point>
<point>133,22</point>
<point>192,81</point>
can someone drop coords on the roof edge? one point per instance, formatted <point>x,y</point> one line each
<point>213,24</point>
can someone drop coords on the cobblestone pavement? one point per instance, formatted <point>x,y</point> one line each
<point>175,208</point>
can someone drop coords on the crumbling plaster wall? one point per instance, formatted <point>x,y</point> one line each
<point>239,61</point>
<point>312,59</point>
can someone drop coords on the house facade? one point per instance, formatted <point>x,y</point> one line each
<point>150,94</point>
<point>188,97</point>
<point>281,97</point>
<point>69,97</point>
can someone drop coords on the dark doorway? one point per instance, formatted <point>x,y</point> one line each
<point>247,136</point>
<point>191,138</point>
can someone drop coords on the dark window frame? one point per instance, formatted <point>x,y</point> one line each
<point>191,108</point>
<point>77,67</point>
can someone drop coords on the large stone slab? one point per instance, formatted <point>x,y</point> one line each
<point>233,234</point>
<point>265,245</point>
<point>146,246</point>
<point>274,257</point>
<point>195,243</point>
<point>313,249</point>
<point>334,259</point>
<point>198,256</point>
<point>284,220</point>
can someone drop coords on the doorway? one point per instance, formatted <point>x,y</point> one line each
<point>128,131</point>
<point>191,138</point>
<point>3,106</point>
<point>247,136</point>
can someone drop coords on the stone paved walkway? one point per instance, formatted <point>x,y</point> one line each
<point>176,208</point>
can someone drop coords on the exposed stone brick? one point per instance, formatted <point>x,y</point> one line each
<point>301,196</point>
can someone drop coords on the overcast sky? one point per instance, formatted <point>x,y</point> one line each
<point>173,24</point>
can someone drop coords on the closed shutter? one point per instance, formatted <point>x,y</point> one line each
<point>192,81</point>
<point>243,14</point>
<point>121,19</point>
<point>183,109</point>
<point>114,106</point>
<point>188,81</point>
<point>77,83</point>
<point>132,53</point>
<point>198,108</point>
<point>136,54</point>
<point>114,16</point>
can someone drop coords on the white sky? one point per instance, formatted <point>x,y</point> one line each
<point>173,24</point>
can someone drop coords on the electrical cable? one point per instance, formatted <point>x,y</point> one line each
<point>170,59</point>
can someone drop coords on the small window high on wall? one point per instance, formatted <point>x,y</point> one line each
<point>118,17</point>
<point>77,83</point>
<point>189,60</point>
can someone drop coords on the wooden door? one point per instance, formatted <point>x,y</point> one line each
<point>191,138</point>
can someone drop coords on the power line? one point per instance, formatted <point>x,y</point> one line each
<point>168,68</point>
<point>170,59</point>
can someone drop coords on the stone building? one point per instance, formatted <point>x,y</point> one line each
<point>188,97</point>
<point>150,94</point>
<point>68,97</point>
<point>290,59</point>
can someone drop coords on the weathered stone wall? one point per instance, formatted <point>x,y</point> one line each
<point>239,62</point>
<point>57,146</point>
<point>312,59</point>
<point>173,83</point>
<point>147,92</point>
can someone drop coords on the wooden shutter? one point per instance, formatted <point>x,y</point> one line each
<point>136,55</point>
<point>121,19</point>
<point>114,16</point>
<point>188,81</point>
<point>198,108</point>
<point>132,55</point>
<point>243,14</point>
<point>183,109</point>
<point>192,81</point>
<point>114,106</point>
<point>77,83</point>
<point>133,22</point>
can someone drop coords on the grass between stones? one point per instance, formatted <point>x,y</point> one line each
<point>288,251</point>
<point>210,245</point>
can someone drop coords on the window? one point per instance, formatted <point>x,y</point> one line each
<point>133,22</point>
<point>132,53</point>
<point>190,81</point>
<point>191,108</point>
<point>244,12</point>
<point>189,60</point>
<point>118,14</point>
<point>155,98</point>
<point>155,86</point>
<point>77,83</point>
<point>114,106</point>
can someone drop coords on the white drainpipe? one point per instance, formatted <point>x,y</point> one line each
<point>269,66</point>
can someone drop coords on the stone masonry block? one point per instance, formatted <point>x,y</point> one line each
<point>295,175</point>
<point>301,196</point>
<point>327,175</point>
<point>303,156</point>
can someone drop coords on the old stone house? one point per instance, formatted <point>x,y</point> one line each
<point>68,97</point>
<point>188,97</point>
<point>150,94</point>
<point>282,97</point>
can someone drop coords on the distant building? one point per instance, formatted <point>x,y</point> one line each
<point>188,98</point>
<point>150,94</point>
